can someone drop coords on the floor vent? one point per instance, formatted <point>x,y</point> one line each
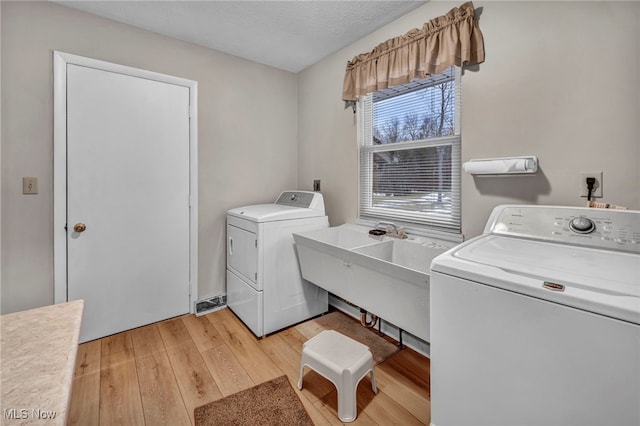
<point>211,304</point>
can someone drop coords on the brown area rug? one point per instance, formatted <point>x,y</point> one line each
<point>269,403</point>
<point>381,348</point>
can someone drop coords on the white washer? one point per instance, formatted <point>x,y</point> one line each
<point>537,321</point>
<point>264,285</point>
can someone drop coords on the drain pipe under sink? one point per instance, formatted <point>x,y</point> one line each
<point>363,319</point>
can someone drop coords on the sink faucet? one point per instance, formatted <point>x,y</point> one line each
<point>395,232</point>
<point>388,224</point>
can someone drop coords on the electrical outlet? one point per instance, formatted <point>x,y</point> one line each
<point>597,188</point>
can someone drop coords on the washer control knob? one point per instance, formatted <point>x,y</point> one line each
<point>582,225</point>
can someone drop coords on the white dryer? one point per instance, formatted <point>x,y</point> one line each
<point>264,286</point>
<point>537,321</point>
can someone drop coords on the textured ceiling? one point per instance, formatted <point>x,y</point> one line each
<point>289,35</point>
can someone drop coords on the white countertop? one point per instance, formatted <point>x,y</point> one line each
<point>38,355</point>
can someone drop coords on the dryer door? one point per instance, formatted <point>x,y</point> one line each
<point>242,254</point>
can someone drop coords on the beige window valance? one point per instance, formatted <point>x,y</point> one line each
<point>452,39</point>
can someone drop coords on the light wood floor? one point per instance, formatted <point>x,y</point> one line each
<point>158,374</point>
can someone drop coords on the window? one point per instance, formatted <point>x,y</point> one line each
<point>409,139</point>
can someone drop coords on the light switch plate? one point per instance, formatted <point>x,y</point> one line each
<point>29,185</point>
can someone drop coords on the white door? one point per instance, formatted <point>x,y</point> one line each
<point>128,183</point>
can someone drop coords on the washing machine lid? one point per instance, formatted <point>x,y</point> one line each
<point>602,281</point>
<point>273,212</point>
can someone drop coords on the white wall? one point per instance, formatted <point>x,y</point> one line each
<point>561,81</point>
<point>247,134</point>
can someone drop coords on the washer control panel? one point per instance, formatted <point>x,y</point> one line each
<point>603,228</point>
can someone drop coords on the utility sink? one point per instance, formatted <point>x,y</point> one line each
<point>343,237</point>
<point>386,276</point>
<point>403,253</point>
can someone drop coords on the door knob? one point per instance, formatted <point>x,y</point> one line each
<point>80,227</point>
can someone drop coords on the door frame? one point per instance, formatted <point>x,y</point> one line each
<point>60,61</point>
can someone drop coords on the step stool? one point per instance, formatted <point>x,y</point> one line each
<point>344,362</point>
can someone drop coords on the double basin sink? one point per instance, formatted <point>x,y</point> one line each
<point>386,276</point>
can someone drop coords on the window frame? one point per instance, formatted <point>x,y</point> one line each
<point>443,225</point>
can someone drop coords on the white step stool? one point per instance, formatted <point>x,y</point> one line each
<point>344,362</point>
